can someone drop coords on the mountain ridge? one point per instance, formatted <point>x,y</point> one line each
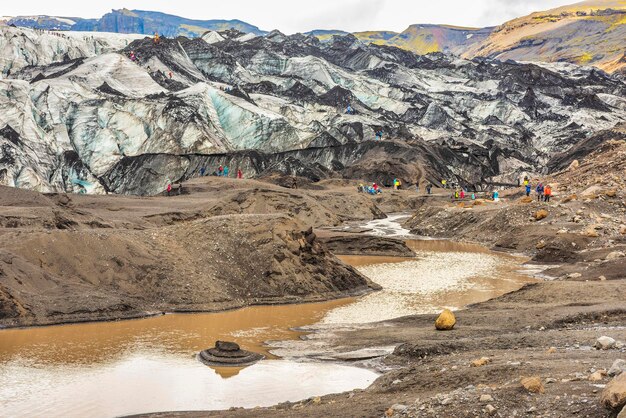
<point>591,32</point>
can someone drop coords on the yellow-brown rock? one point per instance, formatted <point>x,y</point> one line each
<point>445,321</point>
<point>541,214</point>
<point>614,394</point>
<point>483,361</point>
<point>533,384</point>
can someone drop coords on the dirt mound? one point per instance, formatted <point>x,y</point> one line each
<point>315,208</point>
<point>366,245</point>
<point>202,265</point>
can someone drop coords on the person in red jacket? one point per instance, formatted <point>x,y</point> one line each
<point>239,174</point>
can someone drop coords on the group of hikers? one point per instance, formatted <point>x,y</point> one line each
<point>222,171</point>
<point>374,189</point>
<point>544,192</point>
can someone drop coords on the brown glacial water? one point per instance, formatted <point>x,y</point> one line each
<point>149,365</point>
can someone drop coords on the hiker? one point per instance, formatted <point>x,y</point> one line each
<point>444,183</point>
<point>180,188</point>
<point>220,171</point>
<point>429,188</point>
<point>202,171</point>
<point>462,194</point>
<point>547,194</point>
<point>239,174</point>
<point>473,196</point>
<point>417,187</point>
<point>132,56</point>
<point>349,110</point>
<point>395,184</point>
<point>169,189</point>
<point>157,38</point>
<point>456,194</point>
<point>226,171</point>
<point>539,189</point>
<point>398,184</point>
<point>528,189</point>
<point>526,181</point>
<point>170,74</point>
<point>294,182</point>
<point>496,196</point>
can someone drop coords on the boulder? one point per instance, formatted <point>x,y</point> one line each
<point>227,346</point>
<point>486,398</point>
<point>569,198</point>
<point>623,413</point>
<point>481,362</point>
<point>614,255</point>
<point>533,384</point>
<point>614,394</point>
<point>445,321</point>
<point>541,214</point>
<point>597,376</point>
<point>228,354</point>
<point>574,165</point>
<point>604,343</point>
<point>618,367</point>
<point>611,193</point>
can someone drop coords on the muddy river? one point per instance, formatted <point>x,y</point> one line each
<point>148,365</point>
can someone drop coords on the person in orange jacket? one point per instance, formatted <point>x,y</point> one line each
<point>547,193</point>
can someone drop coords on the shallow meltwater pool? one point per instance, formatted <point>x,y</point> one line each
<point>443,274</point>
<point>149,365</point>
<point>120,368</point>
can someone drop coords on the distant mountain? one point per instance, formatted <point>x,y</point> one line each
<point>42,22</point>
<point>421,39</point>
<point>134,21</point>
<point>587,33</point>
<point>592,32</point>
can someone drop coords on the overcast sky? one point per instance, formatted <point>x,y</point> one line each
<point>292,16</point>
